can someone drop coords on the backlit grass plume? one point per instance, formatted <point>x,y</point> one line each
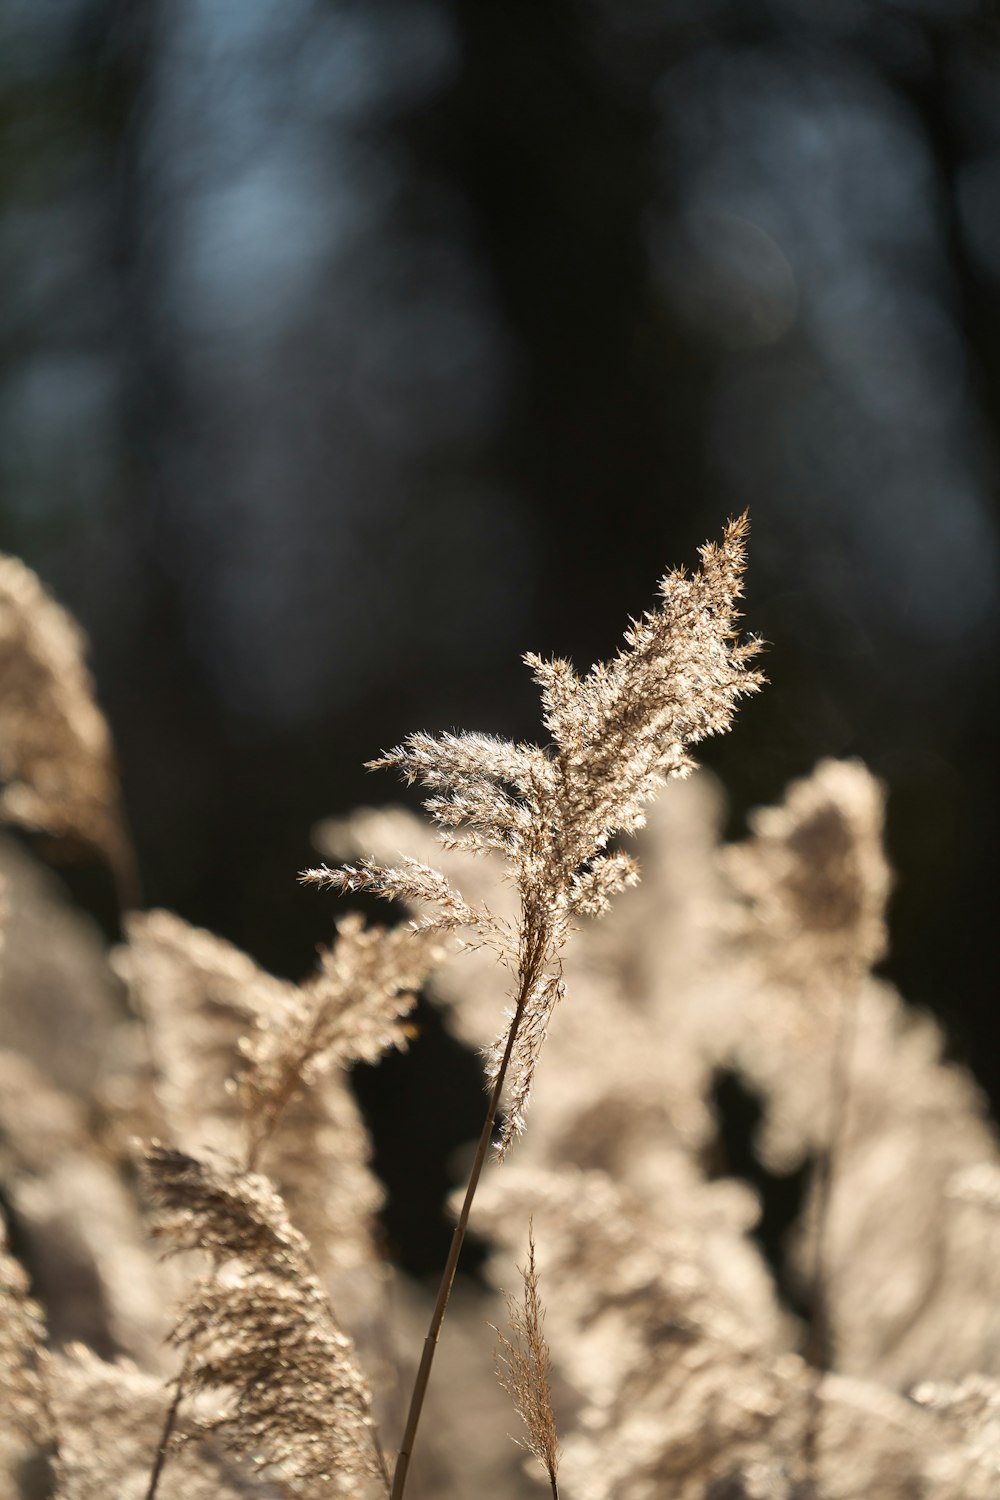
<point>353,1010</point>
<point>617,734</point>
<point>56,757</point>
<point>199,994</point>
<point>261,1331</point>
<point>238,1052</point>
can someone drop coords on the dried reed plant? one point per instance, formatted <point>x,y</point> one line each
<point>299,1037</point>
<point>675,1367</point>
<point>236,1052</point>
<point>617,735</point>
<point>260,1328</point>
<point>56,758</point>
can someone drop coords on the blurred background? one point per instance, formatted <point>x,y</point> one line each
<point>351,349</point>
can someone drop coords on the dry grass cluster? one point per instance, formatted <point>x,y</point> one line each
<point>170,1095</point>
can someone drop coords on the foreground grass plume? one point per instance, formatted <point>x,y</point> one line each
<point>300,1038</point>
<point>261,1331</point>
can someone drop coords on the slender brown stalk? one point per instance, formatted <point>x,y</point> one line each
<point>423,1376</point>
<point>169,1423</point>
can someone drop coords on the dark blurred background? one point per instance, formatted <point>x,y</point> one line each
<point>352,348</point>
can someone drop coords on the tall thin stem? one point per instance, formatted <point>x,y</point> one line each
<point>457,1241</point>
<point>169,1423</point>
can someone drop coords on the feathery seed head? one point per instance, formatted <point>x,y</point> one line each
<point>617,734</point>
<point>262,1331</point>
<point>56,758</point>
